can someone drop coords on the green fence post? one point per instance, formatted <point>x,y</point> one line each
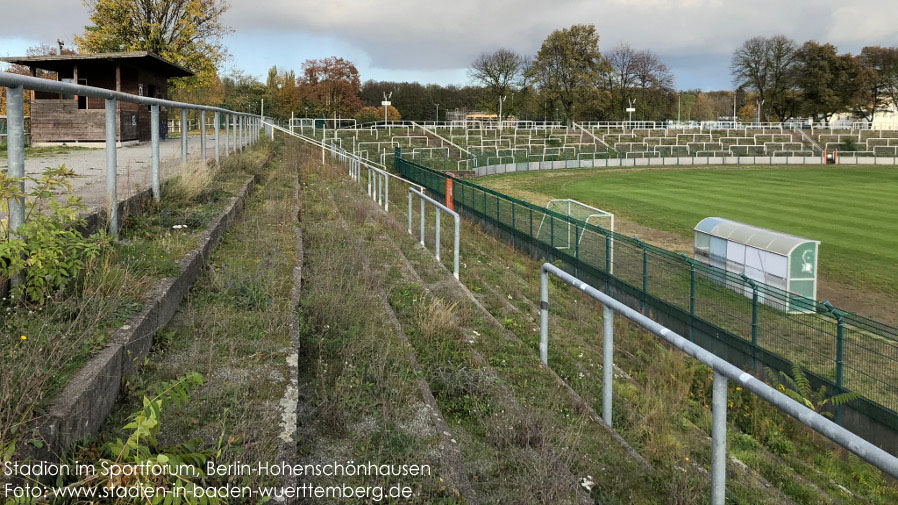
<point>576,250</point>
<point>691,263</point>
<point>531,232</point>
<point>607,261</point>
<point>692,302</point>
<point>514,228</point>
<point>840,356</point>
<point>754,320</point>
<point>645,272</point>
<point>552,233</point>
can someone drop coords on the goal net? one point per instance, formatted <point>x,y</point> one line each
<point>565,235</point>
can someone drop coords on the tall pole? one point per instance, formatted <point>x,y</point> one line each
<point>501,100</point>
<point>154,150</point>
<point>217,139</point>
<point>15,153</point>
<point>184,135</point>
<point>679,101</point>
<point>734,109</point>
<point>386,104</point>
<point>203,134</point>
<point>111,167</point>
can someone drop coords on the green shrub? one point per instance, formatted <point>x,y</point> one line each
<point>48,250</point>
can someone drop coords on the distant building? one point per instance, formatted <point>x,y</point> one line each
<point>483,118</point>
<point>883,119</point>
<point>57,118</point>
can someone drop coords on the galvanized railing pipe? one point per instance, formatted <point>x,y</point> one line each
<point>723,371</point>
<point>15,153</point>
<point>184,128</point>
<point>217,140</point>
<point>16,84</point>
<point>203,135</point>
<point>154,151</point>
<point>345,155</point>
<point>227,135</point>
<point>111,166</point>
<point>439,208</point>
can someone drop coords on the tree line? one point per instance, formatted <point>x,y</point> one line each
<point>813,80</point>
<point>568,79</point>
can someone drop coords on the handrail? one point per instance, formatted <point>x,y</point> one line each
<point>329,147</point>
<point>439,208</point>
<point>16,83</point>
<point>437,135</point>
<point>723,370</point>
<point>607,147</point>
<point>37,84</point>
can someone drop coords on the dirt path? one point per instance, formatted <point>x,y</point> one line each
<point>134,169</point>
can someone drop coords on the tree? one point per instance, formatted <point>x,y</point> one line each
<point>620,78</point>
<point>330,86</point>
<point>371,114</point>
<point>567,65</point>
<point>766,66</point>
<point>186,32</point>
<point>878,80</point>
<point>501,73</point>
<point>243,92</point>
<point>701,108</point>
<point>828,81</point>
<point>283,94</point>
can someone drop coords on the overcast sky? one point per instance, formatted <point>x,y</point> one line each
<point>434,41</point>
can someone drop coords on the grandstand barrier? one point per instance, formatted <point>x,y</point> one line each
<point>503,168</point>
<point>839,350</point>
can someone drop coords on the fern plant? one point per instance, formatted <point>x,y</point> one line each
<point>183,462</point>
<point>798,387</point>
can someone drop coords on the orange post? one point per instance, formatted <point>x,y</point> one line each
<point>450,192</point>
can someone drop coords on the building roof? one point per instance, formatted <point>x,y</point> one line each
<point>759,238</point>
<point>65,62</point>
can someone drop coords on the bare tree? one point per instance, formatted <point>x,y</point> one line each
<point>639,75</point>
<point>621,76</point>
<point>501,73</point>
<point>767,67</point>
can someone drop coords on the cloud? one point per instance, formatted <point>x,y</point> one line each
<point>401,37</point>
<point>422,34</point>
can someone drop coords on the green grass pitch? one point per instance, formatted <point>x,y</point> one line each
<point>852,211</point>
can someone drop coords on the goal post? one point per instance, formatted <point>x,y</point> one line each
<point>570,237</point>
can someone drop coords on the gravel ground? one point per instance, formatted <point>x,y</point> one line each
<point>133,167</point>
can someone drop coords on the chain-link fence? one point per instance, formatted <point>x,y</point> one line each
<point>748,323</point>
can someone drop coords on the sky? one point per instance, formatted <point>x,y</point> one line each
<point>434,42</point>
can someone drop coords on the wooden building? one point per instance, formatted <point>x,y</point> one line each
<point>57,118</point>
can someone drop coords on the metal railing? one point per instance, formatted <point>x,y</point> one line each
<point>246,131</point>
<point>379,190</point>
<point>776,329</point>
<point>723,371</point>
<point>412,192</point>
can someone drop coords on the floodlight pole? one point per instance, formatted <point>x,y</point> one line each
<point>734,109</point>
<point>758,111</point>
<point>386,104</point>
<point>679,101</point>
<point>501,101</point>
